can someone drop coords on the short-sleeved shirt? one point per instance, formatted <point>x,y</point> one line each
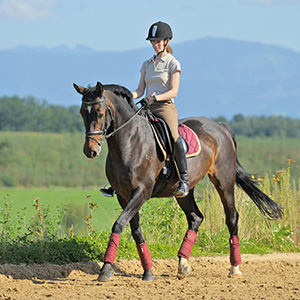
<point>157,77</point>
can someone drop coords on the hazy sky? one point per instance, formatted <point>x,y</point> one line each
<point>114,25</point>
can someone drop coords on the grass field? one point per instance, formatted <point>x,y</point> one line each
<point>56,160</point>
<point>76,201</point>
<point>53,161</point>
<point>163,224</point>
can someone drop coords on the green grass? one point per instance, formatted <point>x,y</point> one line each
<point>30,159</point>
<point>163,224</point>
<point>75,200</point>
<point>56,160</point>
<point>260,155</point>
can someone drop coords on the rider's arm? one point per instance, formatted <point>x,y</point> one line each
<point>172,92</point>
<point>139,92</point>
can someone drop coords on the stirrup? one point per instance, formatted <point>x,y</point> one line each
<point>182,190</point>
<point>107,192</point>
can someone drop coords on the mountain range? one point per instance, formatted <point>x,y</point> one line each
<point>220,77</point>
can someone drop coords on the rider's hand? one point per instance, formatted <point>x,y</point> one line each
<point>148,100</point>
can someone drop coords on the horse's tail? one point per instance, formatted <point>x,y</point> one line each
<point>269,208</point>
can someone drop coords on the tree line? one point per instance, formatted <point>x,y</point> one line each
<point>30,114</point>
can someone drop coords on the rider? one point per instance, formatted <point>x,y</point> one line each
<point>160,76</point>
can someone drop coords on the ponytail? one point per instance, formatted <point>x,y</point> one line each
<point>169,49</point>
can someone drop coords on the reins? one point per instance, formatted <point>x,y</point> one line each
<point>123,125</point>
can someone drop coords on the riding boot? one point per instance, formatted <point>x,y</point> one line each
<point>180,157</point>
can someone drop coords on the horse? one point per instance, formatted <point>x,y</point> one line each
<point>134,166</point>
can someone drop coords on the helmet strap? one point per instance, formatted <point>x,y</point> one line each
<point>166,43</point>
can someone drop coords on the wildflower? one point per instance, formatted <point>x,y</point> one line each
<point>7,203</point>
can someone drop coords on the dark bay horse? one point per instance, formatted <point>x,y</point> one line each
<point>133,168</point>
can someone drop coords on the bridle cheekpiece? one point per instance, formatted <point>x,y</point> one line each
<point>108,113</point>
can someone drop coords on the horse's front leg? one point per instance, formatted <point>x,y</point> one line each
<point>129,211</point>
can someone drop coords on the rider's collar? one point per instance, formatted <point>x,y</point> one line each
<point>164,58</point>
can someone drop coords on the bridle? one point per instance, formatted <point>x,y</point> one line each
<point>108,112</point>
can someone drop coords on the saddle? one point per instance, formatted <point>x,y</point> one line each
<point>165,141</point>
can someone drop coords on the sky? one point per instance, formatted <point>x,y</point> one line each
<point>118,25</point>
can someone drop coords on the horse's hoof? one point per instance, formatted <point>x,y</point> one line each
<point>106,273</point>
<point>105,276</point>
<point>148,275</point>
<point>235,272</point>
<point>183,268</point>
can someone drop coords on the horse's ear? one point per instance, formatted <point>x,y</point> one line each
<point>79,89</point>
<point>99,89</point>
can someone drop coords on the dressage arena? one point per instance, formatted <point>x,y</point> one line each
<point>274,276</point>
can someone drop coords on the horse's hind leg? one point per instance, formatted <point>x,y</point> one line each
<point>225,187</point>
<point>142,248</point>
<point>194,218</point>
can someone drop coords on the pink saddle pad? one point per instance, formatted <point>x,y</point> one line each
<point>191,138</point>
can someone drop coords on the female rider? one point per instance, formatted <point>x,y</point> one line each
<point>160,76</point>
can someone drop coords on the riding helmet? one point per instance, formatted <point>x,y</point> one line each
<point>159,31</point>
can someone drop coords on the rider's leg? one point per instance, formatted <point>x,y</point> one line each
<point>168,112</point>
<point>180,157</point>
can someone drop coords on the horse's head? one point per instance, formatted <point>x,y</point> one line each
<point>96,116</point>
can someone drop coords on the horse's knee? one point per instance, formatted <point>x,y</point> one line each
<point>117,228</point>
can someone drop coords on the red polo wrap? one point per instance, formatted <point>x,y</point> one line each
<point>145,256</point>
<point>187,244</point>
<point>112,247</point>
<point>235,253</point>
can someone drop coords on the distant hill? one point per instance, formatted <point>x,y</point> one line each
<point>219,76</point>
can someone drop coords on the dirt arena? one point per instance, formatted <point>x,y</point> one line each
<point>275,276</point>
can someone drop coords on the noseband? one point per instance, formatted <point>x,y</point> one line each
<point>89,134</point>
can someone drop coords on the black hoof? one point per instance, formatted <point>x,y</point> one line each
<point>106,273</point>
<point>148,276</point>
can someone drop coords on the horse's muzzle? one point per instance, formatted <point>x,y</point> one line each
<point>91,150</point>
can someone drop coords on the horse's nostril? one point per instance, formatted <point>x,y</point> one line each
<point>93,154</point>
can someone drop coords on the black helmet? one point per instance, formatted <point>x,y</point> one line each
<point>159,31</point>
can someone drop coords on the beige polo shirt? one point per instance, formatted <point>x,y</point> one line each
<point>157,77</point>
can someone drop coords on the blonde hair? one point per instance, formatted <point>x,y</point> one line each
<point>169,49</point>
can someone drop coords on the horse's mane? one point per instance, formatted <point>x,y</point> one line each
<point>121,91</point>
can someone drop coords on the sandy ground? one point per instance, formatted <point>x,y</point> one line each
<point>275,276</point>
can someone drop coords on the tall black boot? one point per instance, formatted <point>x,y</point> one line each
<point>179,154</point>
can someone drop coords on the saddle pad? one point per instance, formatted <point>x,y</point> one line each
<point>191,138</point>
